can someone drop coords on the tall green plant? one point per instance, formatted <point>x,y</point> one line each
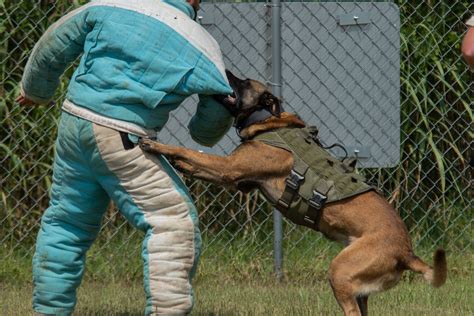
<point>429,186</point>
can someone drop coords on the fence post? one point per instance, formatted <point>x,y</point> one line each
<point>276,90</point>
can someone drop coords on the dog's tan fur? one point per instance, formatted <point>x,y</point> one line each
<point>378,248</point>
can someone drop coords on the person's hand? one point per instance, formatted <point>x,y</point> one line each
<point>24,101</point>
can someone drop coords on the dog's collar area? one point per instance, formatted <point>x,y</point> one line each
<point>255,117</point>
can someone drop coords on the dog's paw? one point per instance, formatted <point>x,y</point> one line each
<point>146,144</point>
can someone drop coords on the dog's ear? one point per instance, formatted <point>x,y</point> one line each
<point>271,103</point>
<point>230,76</point>
<point>276,107</point>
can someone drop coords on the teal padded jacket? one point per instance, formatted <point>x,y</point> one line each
<point>140,60</point>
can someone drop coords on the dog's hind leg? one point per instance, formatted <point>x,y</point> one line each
<point>360,269</point>
<point>344,296</point>
<point>362,302</point>
<point>350,274</point>
<point>342,272</point>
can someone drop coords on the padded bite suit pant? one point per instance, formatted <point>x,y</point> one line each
<point>91,167</point>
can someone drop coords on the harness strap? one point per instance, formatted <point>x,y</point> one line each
<point>293,183</point>
<point>296,179</point>
<point>316,178</point>
<point>315,206</point>
<point>292,186</point>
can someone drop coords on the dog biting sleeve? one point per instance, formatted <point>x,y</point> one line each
<point>210,122</point>
<point>61,44</point>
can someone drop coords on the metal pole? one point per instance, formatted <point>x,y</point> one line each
<point>276,90</point>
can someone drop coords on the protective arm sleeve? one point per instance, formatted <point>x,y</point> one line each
<point>210,122</point>
<point>62,43</point>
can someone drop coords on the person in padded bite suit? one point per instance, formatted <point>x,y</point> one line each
<point>140,60</point>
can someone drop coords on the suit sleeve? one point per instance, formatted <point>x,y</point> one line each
<point>61,44</point>
<point>211,121</point>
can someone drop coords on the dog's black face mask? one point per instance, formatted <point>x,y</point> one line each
<point>249,96</point>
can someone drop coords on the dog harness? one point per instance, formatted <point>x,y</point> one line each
<point>317,177</point>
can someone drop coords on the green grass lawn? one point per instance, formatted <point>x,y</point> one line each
<point>257,298</point>
<point>241,285</point>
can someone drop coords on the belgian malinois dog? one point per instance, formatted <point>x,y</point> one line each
<point>377,246</point>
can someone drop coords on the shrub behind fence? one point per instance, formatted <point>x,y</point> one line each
<point>431,186</point>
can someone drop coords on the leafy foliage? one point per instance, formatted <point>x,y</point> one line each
<point>430,186</point>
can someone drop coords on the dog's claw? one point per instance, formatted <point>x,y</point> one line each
<point>145,145</point>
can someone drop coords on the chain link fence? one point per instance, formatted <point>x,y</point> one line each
<point>430,186</point>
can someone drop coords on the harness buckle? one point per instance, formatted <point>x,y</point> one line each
<point>308,219</point>
<point>317,200</point>
<point>283,204</point>
<point>294,180</point>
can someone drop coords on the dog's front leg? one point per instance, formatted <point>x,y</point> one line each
<point>252,162</point>
<point>204,166</point>
<point>159,148</point>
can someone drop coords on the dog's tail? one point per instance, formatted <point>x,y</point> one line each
<point>437,275</point>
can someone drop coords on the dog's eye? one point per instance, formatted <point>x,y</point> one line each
<point>269,101</point>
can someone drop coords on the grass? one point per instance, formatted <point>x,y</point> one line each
<point>243,284</point>
<point>428,186</point>
<point>256,298</point>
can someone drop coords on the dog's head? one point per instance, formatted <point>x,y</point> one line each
<point>249,96</point>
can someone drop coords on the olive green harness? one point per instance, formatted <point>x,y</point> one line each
<point>317,177</point>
